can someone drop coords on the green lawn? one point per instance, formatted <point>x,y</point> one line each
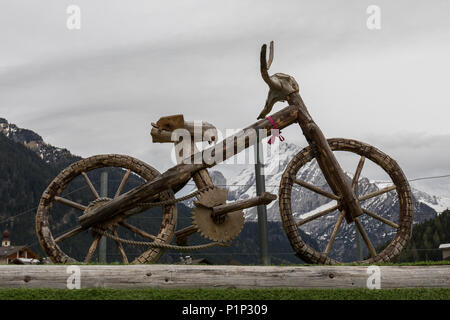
<point>225,294</point>
<point>393,264</point>
<point>418,263</point>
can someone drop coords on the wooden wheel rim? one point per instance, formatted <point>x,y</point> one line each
<point>308,254</point>
<point>51,248</point>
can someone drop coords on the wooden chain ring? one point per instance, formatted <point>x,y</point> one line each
<point>224,230</point>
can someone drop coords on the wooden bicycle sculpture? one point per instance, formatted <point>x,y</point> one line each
<point>212,216</point>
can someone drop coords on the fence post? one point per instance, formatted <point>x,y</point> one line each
<point>358,237</point>
<point>261,209</point>
<point>103,193</point>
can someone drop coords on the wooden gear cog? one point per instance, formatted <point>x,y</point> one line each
<point>203,220</point>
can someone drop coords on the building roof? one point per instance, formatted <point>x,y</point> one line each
<point>444,246</point>
<point>6,234</point>
<point>6,251</point>
<point>25,261</point>
<point>189,260</point>
<point>201,261</point>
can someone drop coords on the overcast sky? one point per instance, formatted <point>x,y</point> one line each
<point>97,89</point>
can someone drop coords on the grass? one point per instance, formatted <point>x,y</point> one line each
<point>225,294</point>
<point>418,263</point>
<point>394,264</point>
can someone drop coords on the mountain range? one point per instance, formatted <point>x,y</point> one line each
<point>54,156</point>
<point>28,164</point>
<point>241,185</point>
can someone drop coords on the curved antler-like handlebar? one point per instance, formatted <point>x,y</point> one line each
<point>265,65</point>
<point>281,85</point>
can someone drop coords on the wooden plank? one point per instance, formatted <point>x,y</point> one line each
<point>185,276</point>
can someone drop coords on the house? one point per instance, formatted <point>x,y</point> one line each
<point>189,260</point>
<point>9,253</point>
<point>25,261</point>
<point>445,247</point>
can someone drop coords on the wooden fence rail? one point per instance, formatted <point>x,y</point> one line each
<point>193,276</point>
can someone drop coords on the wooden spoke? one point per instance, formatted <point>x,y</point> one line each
<point>91,186</point>
<point>92,248</point>
<point>120,248</point>
<point>69,234</point>
<point>375,216</point>
<point>71,203</point>
<point>334,233</point>
<point>317,215</point>
<point>316,190</point>
<point>358,172</point>
<point>365,237</point>
<point>122,183</point>
<point>137,230</point>
<point>377,193</point>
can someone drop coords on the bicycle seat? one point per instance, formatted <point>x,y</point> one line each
<point>162,130</point>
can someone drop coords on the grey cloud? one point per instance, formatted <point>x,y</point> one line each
<point>97,90</point>
<point>421,154</point>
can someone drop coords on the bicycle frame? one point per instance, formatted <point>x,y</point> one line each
<point>177,177</point>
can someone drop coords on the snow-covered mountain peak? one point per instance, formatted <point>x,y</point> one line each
<point>35,143</point>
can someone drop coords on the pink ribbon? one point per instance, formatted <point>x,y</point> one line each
<point>277,132</point>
